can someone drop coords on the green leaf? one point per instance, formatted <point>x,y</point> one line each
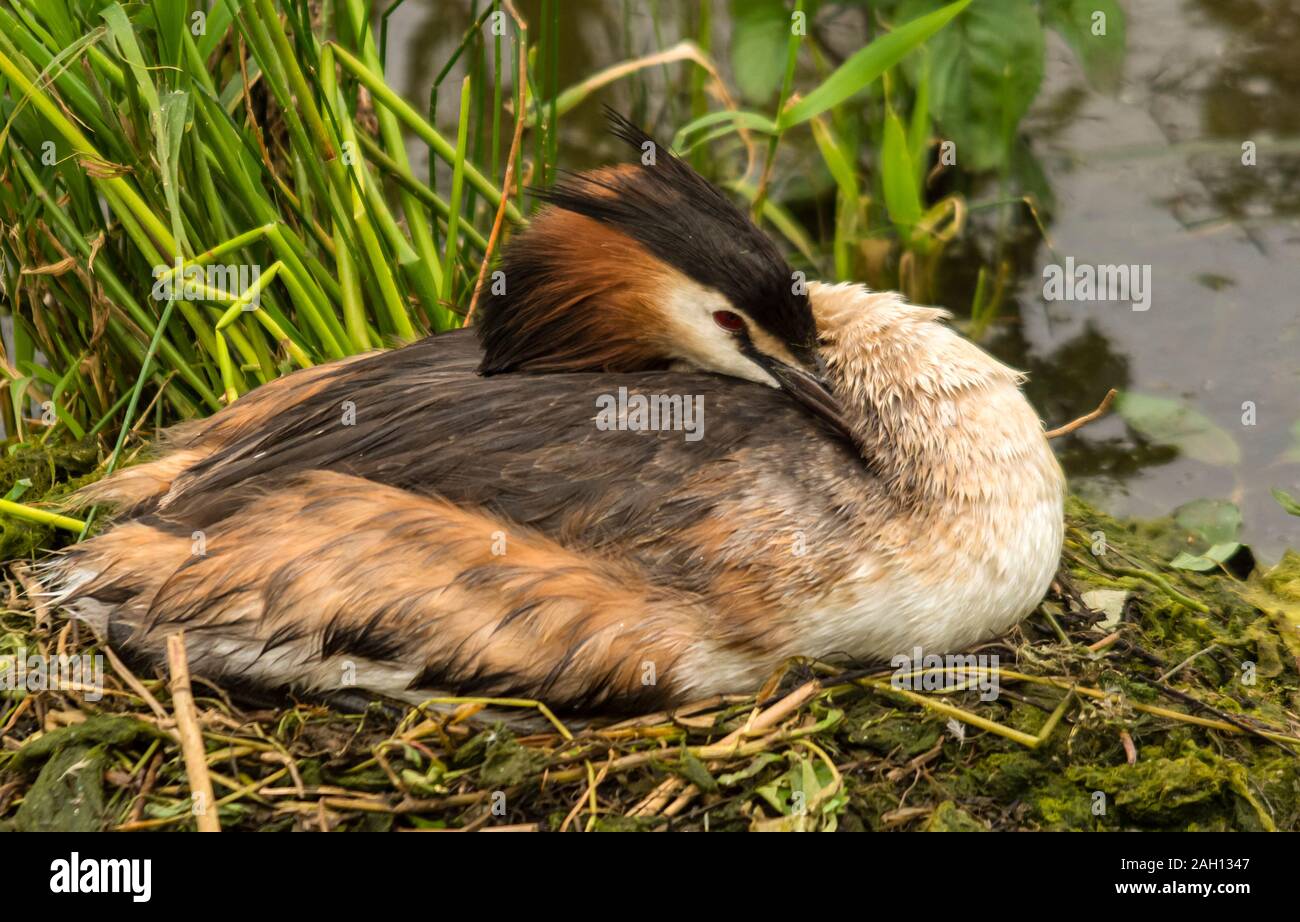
<point>754,121</point>
<point>902,194</point>
<point>1169,422</point>
<point>169,16</point>
<point>985,72</point>
<point>219,20</point>
<point>839,161</point>
<point>68,795</point>
<point>695,771</point>
<point>56,16</point>
<point>760,762</point>
<point>1102,55</point>
<point>1210,560</point>
<point>1286,501</point>
<point>507,762</point>
<point>866,66</point>
<point>119,27</point>
<point>169,127</point>
<point>760,33</point>
<point>111,730</point>
<point>1214,521</point>
<point>21,486</point>
<point>836,158</point>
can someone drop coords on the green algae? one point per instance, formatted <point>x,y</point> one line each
<point>68,792</point>
<point>1199,787</point>
<point>948,817</point>
<point>1229,643</point>
<point>1210,646</point>
<point>51,473</point>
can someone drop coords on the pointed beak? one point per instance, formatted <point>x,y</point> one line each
<point>811,389</point>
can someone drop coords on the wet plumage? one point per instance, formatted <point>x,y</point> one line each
<point>400,523</point>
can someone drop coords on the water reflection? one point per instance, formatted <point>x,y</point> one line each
<point>1151,175</point>
<point>1156,176</point>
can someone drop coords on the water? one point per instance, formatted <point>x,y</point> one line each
<point>1151,175</point>
<point>1155,176</point>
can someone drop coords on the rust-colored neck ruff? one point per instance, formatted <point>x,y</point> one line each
<point>574,295</point>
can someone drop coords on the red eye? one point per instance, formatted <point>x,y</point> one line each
<point>730,322</point>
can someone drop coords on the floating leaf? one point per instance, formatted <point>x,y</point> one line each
<point>1214,521</point>
<point>1211,560</point>
<point>1169,422</point>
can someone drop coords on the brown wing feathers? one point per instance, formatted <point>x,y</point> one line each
<point>327,581</point>
<point>322,388</point>
<point>387,559</point>
<point>453,534</point>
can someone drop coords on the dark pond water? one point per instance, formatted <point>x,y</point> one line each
<point>1155,176</point>
<point>1151,175</point>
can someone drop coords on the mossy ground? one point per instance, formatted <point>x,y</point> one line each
<point>1164,703</point>
<point>48,473</point>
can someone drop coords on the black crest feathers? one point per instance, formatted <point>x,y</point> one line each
<point>679,218</point>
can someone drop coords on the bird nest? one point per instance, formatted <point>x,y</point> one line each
<point>1136,697</point>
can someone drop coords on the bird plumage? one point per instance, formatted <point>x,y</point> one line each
<point>452,516</point>
<point>685,222</point>
<point>628,269</point>
<point>623,555</point>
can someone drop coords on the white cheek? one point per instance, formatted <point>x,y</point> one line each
<point>699,342</point>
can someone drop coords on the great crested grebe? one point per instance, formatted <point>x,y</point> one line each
<point>430,520</point>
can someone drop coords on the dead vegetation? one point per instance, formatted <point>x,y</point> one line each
<point>1175,706</point>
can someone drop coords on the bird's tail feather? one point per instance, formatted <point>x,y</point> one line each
<point>330,582</point>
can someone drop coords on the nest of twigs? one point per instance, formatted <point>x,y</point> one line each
<point>1135,697</point>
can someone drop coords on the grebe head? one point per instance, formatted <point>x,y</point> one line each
<point>649,266</point>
